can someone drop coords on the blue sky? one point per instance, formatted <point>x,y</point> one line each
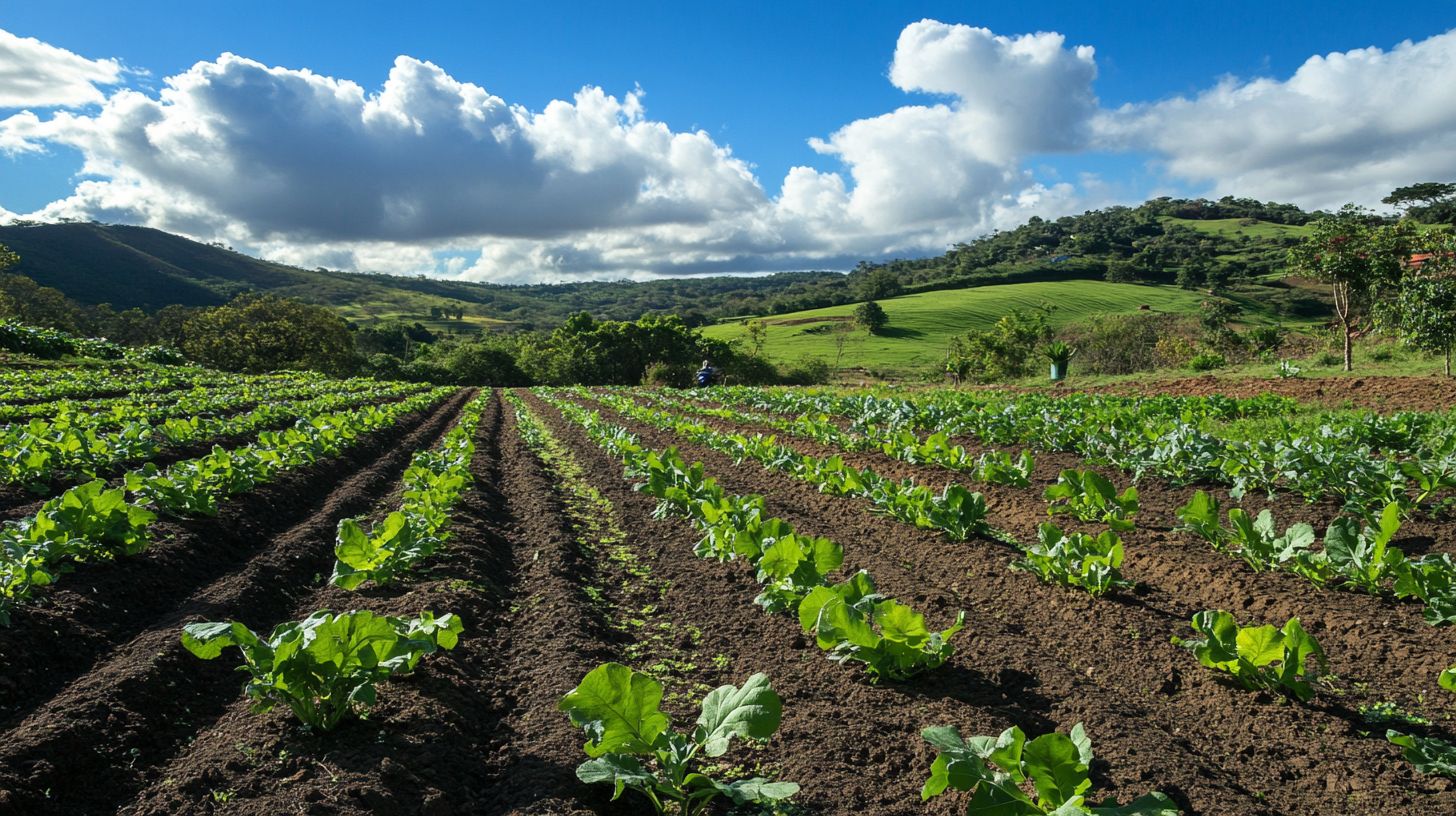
<point>761,80</point>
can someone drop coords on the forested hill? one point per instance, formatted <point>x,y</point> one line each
<point>1160,241</point>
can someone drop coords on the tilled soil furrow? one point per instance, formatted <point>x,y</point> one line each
<point>1382,645</point>
<point>1214,748</point>
<point>419,749</point>
<point>148,696</point>
<point>103,604</point>
<point>854,747</point>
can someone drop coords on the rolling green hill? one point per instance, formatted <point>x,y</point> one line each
<point>921,325</point>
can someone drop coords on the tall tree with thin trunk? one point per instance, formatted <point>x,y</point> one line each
<point>1354,257</point>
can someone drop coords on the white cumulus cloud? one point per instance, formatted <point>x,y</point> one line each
<point>428,170</point>
<point>1347,126</point>
<point>34,74</point>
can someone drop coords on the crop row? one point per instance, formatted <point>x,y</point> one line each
<point>793,568</point>
<point>1353,557</point>
<point>1144,438</point>
<point>33,385</point>
<point>200,399</point>
<point>74,444</point>
<point>93,522</point>
<point>327,665</point>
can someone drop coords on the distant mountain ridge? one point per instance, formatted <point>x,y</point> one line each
<point>148,269</point>
<point>1195,243</point>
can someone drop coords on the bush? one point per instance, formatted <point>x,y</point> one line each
<point>158,355</point>
<point>1264,338</point>
<point>659,375</point>
<point>1128,343</point>
<point>1207,361</point>
<point>871,316</point>
<point>1172,351</point>
<point>811,371</point>
<point>1003,353</point>
<point>1329,358</point>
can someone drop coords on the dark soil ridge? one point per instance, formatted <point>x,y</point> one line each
<point>147,696</point>
<point>102,603</point>
<point>1156,717</point>
<point>514,572</point>
<point>854,747</point>
<point>1379,641</point>
<point>16,501</point>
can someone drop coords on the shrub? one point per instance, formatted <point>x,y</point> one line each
<point>1124,344</point>
<point>1172,351</point>
<point>1207,361</point>
<point>810,371</point>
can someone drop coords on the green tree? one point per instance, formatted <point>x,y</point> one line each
<point>757,337</point>
<point>7,258</point>
<point>1354,259</point>
<point>1426,193</point>
<point>877,283</point>
<point>1214,316</point>
<point>1004,351</point>
<point>871,316</point>
<point>1120,270</point>
<point>1423,311</point>
<point>258,333</point>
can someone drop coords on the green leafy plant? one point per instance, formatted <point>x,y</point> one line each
<point>1432,579</point>
<point>1089,496</point>
<point>325,665</point>
<point>997,770</point>
<point>1364,557</point>
<point>1059,353</point>
<point>1429,755</point>
<point>1075,559</point>
<point>632,744</point>
<point>844,617</point>
<point>1259,657</point>
<point>997,467</point>
<point>1255,540</point>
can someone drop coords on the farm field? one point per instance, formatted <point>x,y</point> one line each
<point>701,537</point>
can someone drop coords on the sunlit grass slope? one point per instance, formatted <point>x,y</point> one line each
<point>921,325</point>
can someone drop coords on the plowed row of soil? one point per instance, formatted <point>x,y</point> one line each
<point>1381,394</point>
<point>99,691</point>
<point>1156,717</point>
<point>130,723</point>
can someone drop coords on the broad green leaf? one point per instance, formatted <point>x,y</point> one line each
<point>1427,754</point>
<point>1151,804</point>
<point>1053,763</point>
<point>758,791</point>
<point>622,771</point>
<point>751,711</point>
<point>1260,645</point>
<point>618,708</point>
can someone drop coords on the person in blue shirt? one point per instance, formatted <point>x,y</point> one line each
<point>706,375</point>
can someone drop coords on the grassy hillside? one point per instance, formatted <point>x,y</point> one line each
<point>921,325</point>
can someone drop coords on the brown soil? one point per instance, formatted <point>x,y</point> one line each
<point>138,726</point>
<point>1156,717</point>
<point>107,690</point>
<point>1382,394</point>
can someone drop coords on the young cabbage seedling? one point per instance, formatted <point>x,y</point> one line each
<point>996,769</point>
<point>632,744</point>
<point>1089,496</point>
<point>1258,656</point>
<point>1429,755</point>
<point>325,665</point>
